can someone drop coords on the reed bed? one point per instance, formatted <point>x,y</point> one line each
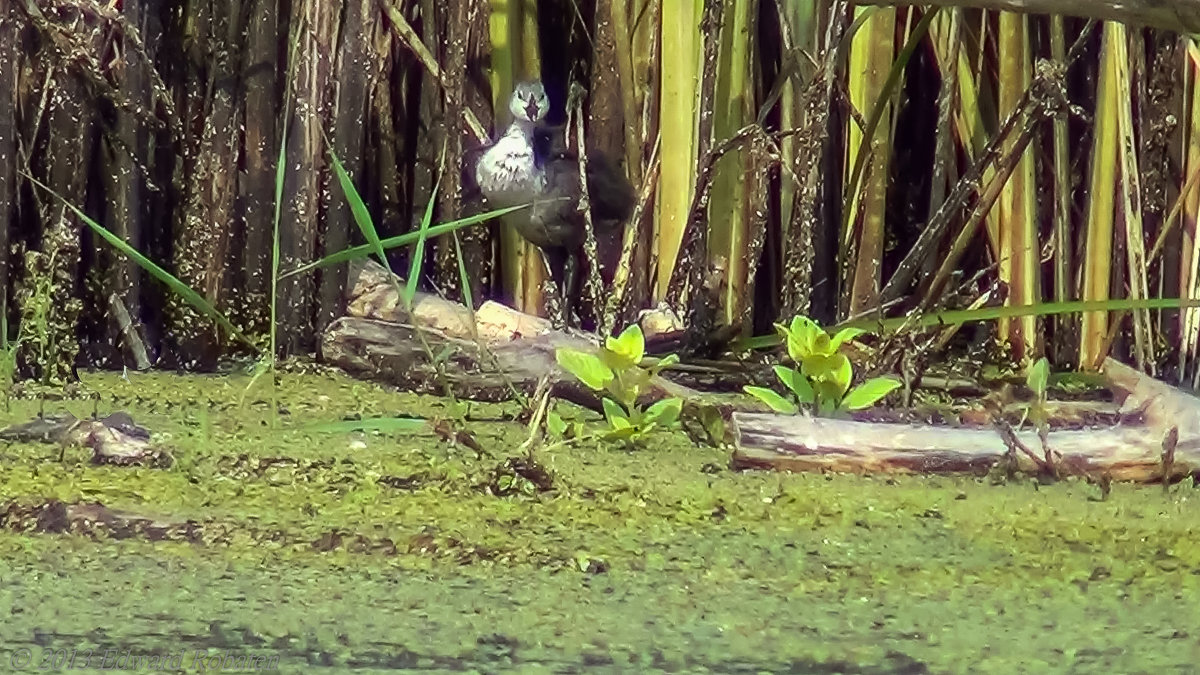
<point>790,158</point>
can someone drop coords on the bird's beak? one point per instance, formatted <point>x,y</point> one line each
<point>531,109</point>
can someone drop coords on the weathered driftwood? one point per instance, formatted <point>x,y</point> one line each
<point>1131,453</point>
<point>115,439</point>
<point>483,360</point>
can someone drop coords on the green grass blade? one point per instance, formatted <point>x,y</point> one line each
<point>171,281</point>
<point>362,217</point>
<point>418,254</point>
<point>356,252</point>
<point>464,280</point>
<point>280,175</point>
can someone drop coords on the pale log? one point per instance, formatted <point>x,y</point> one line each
<point>484,360</point>
<point>1122,452</point>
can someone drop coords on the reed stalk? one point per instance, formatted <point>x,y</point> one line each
<point>872,52</point>
<point>1189,250</point>
<point>1129,202</point>
<point>729,223</point>
<point>1018,251</point>
<point>680,95</point>
<point>1102,179</point>
<point>1063,349</point>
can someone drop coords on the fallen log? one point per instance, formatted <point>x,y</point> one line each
<point>1166,446</point>
<point>484,360</point>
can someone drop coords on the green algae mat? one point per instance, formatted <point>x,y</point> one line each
<point>270,545</point>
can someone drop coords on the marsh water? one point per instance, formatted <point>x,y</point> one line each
<point>287,547</point>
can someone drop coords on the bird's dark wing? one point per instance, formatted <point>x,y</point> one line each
<point>612,197</point>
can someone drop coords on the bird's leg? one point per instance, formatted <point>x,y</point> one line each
<point>570,276</point>
<point>552,291</point>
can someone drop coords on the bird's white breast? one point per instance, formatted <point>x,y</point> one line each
<point>507,174</point>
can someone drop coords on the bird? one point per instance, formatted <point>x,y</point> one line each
<point>530,163</point>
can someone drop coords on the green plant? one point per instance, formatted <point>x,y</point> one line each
<point>823,373</point>
<point>616,368</point>
<point>1038,380</point>
<point>265,364</point>
<point>407,293</point>
<point>45,342</point>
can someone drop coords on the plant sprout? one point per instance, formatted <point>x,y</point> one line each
<point>822,374</point>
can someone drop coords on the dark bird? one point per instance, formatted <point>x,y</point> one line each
<point>531,164</point>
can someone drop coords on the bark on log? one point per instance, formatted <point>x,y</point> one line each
<point>1130,453</point>
<point>1174,15</point>
<point>502,349</point>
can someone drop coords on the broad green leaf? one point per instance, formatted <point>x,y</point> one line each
<point>870,392</point>
<point>818,367</point>
<point>793,340</point>
<point>796,382</point>
<point>821,344</point>
<point>665,412</point>
<point>804,326</point>
<point>635,379</point>
<point>622,434</point>
<point>842,372</point>
<point>797,348</point>
<point>1039,377</point>
<point>630,345</point>
<point>615,414</point>
<point>829,394</point>
<point>845,335</point>
<point>665,362</point>
<point>587,368</point>
<point>626,384</point>
<point>807,331</point>
<point>771,398</point>
<point>555,423</point>
<point>799,337</point>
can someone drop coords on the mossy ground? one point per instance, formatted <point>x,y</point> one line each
<point>378,551</point>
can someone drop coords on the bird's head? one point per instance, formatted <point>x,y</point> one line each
<point>529,102</point>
